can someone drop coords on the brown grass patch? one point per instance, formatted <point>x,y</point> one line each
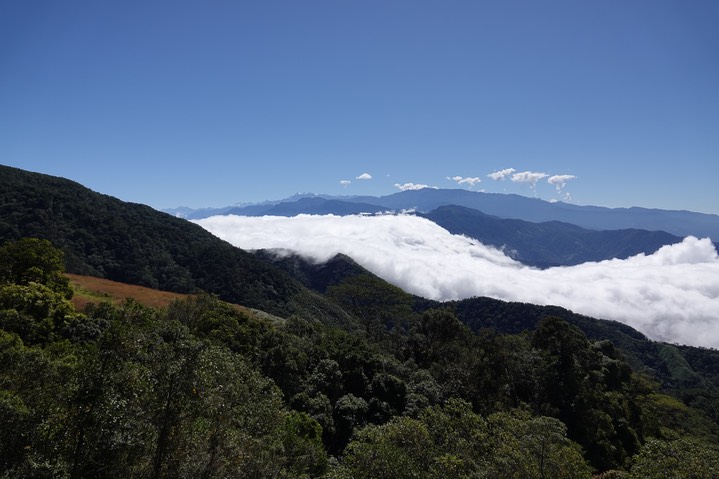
<point>89,289</point>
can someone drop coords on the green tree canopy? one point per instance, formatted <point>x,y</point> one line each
<point>683,458</point>
<point>34,293</point>
<point>33,260</point>
<point>451,441</point>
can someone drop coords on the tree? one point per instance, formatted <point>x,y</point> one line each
<point>399,449</point>
<point>158,402</point>
<point>34,293</point>
<point>587,387</point>
<point>532,447</point>
<point>349,414</point>
<point>36,386</point>
<point>33,260</point>
<point>452,441</point>
<point>303,445</point>
<point>381,306</point>
<point>682,458</point>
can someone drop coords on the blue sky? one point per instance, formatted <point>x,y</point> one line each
<point>174,103</point>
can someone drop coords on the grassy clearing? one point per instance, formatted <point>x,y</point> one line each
<point>89,289</point>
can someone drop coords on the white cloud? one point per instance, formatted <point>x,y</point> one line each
<point>501,174</point>
<point>471,181</point>
<point>345,182</point>
<point>672,295</point>
<point>560,181</point>
<point>412,186</point>
<point>531,177</point>
<point>364,176</point>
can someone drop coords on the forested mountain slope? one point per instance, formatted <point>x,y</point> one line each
<point>133,243</point>
<point>380,303</point>
<point>684,371</point>
<point>202,389</point>
<point>385,385</point>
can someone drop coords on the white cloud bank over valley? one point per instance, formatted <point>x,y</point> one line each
<point>671,295</point>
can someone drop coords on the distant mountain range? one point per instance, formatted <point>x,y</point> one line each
<point>547,244</point>
<point>506,206</point>
<point>532,231</point>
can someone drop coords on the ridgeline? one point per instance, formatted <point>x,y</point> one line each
<point>334,373</point>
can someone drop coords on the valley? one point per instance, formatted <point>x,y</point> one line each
<point>340,367</point>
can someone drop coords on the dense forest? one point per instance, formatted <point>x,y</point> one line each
<point>202,389</point>
<point>348,377</point>
<point>132,243</point>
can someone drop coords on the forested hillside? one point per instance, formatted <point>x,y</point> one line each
<point>352,379</point>
<point>202,389</point>
<point>103,236</point>
<point>382,306</point>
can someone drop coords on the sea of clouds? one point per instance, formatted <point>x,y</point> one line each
<point>671,295</point>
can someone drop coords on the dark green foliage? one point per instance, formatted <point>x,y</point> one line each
<point>703,361</point>
<point>317,276</point>
<point>587,387</point>
<point>683,458</point>
<point>696,379</point>
<point>452,441</point>
<point>398,449</point>
<point>152,394</point>
<point>438,336</point>
<point>32,260</point>
<point>303,443</point>
<point>676,368</point>
<point>34,293</point>
<point>350,414</point>
<point>379,305</point>
<point>132,243</point>
<point>391,391</point>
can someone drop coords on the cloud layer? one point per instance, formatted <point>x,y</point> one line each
<point>469,180</point>
<point>411,186</point>
<point>501,174</point>
<point>531,177</point>
<point>672,295</point>
<point>560,181</point>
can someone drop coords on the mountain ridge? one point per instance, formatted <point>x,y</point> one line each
<point>135,244</point>
<point>511,206</point>
<point>548,244</point>
<point>89,226</point>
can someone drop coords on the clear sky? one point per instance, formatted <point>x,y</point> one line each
<point>200,103</point>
